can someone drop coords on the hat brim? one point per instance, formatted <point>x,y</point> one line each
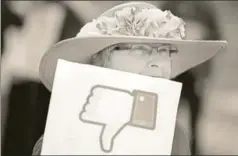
<point>190,52</point>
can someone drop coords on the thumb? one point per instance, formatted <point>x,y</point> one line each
<point>109,133</point>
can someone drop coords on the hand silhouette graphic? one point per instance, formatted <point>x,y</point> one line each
<point>115,108</point>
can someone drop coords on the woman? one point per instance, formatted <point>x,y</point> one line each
<point>201,24</point>
<point>158,61</point>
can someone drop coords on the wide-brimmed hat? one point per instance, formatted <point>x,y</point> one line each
<point>190,53</point>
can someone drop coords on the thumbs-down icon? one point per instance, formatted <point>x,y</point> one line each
<point>114,109</point>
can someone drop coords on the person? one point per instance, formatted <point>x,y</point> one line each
<point>201,24</point>
<point>128,38</point>
<point>25,99</point>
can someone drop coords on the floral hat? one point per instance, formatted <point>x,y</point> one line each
<point>133,22</point>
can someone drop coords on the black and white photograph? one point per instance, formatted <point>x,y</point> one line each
<point>119,78</point>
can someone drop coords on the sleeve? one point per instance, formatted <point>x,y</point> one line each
<point>181,144</point>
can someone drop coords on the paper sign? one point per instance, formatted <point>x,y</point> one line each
<point>99,111</point>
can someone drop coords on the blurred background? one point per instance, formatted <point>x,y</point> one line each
<point>209,104</point>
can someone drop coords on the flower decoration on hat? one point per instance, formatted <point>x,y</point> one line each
<point>130,21</point>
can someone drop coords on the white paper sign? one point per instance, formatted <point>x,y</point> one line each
<point>99,111</point>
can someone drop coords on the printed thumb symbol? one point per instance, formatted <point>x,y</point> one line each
<point>109,133</point>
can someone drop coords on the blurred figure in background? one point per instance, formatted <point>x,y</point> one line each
<point>201,24</point>
<point>26,100</point>
<point>9,19</point>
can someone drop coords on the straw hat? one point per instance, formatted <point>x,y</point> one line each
<point>81,48</point>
